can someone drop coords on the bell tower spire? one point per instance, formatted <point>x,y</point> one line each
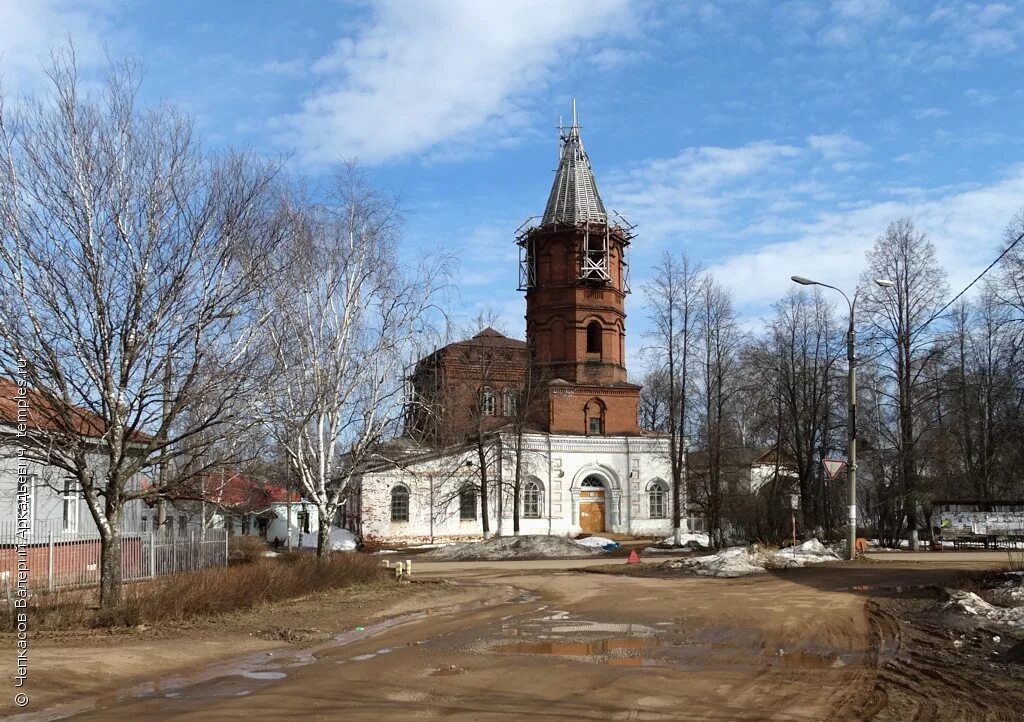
<point>574,272</point>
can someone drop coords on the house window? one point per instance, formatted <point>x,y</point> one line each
<point>302,519</point>
<point>593,337</point>
<point>467,504</point>
<point>70,499</point>
<point>144,523</point>
<point>594,426</point>
<point>531,500</point>
<point>400,504</point>
<point>657,496</point>
<point>182,525</point>
<point>487,401</point>
<point>509,402</point>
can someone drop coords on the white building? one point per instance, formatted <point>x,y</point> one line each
<point>572,485</point>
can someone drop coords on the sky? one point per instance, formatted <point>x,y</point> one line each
<point>765,138</point>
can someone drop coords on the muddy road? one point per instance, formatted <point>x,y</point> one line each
<point>816,643</point>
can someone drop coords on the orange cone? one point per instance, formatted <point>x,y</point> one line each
<point>634,558</point>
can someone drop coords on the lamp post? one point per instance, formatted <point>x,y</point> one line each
<point>851,404</point>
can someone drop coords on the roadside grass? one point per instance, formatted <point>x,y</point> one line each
<point>246,549</point>
<point>208,592</point>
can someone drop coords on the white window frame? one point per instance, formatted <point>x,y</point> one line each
<point>70,497</point>
<point>487,401</point>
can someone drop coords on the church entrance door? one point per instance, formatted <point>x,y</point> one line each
<point>592,506</point>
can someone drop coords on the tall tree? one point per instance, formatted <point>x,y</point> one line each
<point>900,337</point>
<point>801,354</point>
<point>132,261</point>
<point>674,305</point>
<point>718,382</point>
<point>344,318</point>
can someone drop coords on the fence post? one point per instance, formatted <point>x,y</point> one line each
<point>225,546</point>
<point>152,554</point>
<point>49,569</point>
<point>174,553</point>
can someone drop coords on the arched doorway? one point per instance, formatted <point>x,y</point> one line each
<point>592,507</point>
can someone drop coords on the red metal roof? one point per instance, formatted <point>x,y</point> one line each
<point>41,415</point>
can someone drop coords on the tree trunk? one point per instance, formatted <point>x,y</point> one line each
<point>481,454</point>
<point>323,536</point>
<point>111,574</point>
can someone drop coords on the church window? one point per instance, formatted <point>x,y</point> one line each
<point>593,337</point>
<point>531,500</point>
<point>467,504</point>
<point>400,504</point>
<point>509,402</point>
<point>657,496</point>
<point>487,401</point>
<point>593,413</point>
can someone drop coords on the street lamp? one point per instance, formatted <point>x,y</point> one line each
<point>851,402</point>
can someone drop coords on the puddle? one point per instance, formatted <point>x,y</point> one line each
<point>246,674</point>
<point>580,649</point>
<point>264,675</point>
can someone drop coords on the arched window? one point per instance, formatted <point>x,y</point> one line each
<point>657,499</point>
<point>593,414</point>
<point>509,402</point>
<point>593,482</point>
<point>487,401</point>
<point>467,503</point>
<point>593,337</point>
<point>532,500</point>
<point>400,503</point>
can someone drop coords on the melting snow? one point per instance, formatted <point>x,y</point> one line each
<point>597,542</point>
<point>743,561</point>
<point>970,604</point>
<point>342,540</point>
<point>513,547</point>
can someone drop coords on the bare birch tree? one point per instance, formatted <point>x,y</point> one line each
<point>674,303</point>
<point>131,263</point>
<point>344,319</point>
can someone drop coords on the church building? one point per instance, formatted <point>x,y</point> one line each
<point>542,437</point>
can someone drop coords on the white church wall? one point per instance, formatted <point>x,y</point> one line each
<point>559,464</point>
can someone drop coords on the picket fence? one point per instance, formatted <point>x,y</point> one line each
<point>58,559</point>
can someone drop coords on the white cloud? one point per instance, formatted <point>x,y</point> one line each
<point>836,146</point>
<point>29,29</point>
<point>966,226</point>
<point>926,113</point>
<point>690,192</point>
<point>426,74</point>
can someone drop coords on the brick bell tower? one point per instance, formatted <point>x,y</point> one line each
<point>573,270</point>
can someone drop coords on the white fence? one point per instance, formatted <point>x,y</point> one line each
<point>55,559</point>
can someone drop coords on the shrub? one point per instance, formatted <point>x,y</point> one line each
<point>245,549</point>
<point>210,591</point>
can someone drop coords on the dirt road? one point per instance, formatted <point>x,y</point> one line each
<point>565,644</point>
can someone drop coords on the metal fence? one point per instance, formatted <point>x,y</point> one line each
<point>53,558</point>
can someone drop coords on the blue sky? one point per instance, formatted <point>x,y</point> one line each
<point>766,138</point>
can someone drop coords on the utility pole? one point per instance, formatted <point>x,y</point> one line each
<point>851,406</point>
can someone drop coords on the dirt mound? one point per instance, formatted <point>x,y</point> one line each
<point>513,547</point>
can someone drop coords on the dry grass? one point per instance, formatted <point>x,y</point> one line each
<point>245,549</point>
<point>208,592</point>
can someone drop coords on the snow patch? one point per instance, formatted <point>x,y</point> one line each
<point>512,547</point>
<point>744,561</point>
<point>597,542</point>
<point>341,540</point>
<point>971,605</point>
<point>694,539</point>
